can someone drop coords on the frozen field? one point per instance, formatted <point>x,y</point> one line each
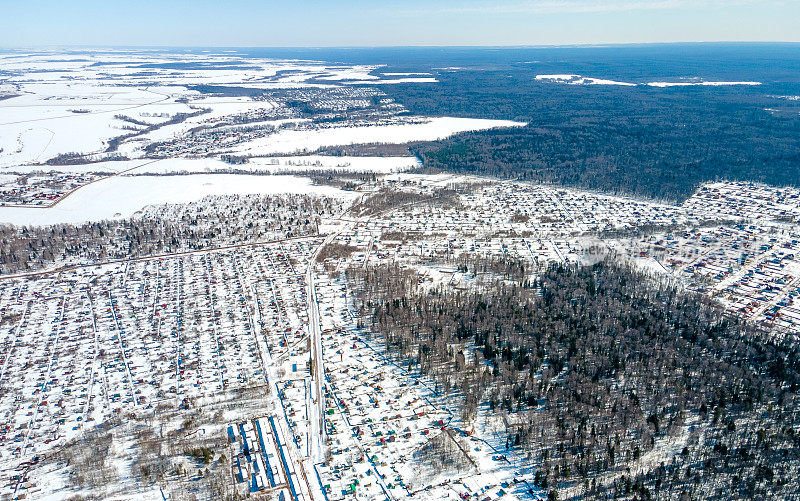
<point>291,141</point>
<point>123,196</point>
<point>683,82</point>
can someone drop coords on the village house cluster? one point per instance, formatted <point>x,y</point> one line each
<point>736,242</point>
<point>141,337</point>
<point>301,109</point>
<point>212,347</point>
<point>246,348</point>
<point>40,189</point>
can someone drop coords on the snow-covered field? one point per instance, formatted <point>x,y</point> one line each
<point>580,80</point>
<point>294,141</point>
<point>293,163</point>
<point>104,113</point>
<point>112,103</point>
<point>59,117</point>
<point>312,163</point>
<point>573,79</point>
<point>699,83</point>
<point>122,196</point>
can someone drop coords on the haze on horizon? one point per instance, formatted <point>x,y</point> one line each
<point>393,23</point>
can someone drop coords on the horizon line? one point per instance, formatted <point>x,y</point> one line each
<point>402,46</point>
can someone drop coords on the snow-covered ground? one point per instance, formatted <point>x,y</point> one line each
<point>311,163</point>
<point>298,141</point>
<point>213,325</point>
<point>122,196</point>
<point>57,117</point>
<point>699,83</point>
<point>120,103</point>
<point>293,163</point>
<point>109,109</point>
<point>231,327</point>
<point>580,80</point>
<point>573,79</point>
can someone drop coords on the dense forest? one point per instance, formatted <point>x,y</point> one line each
<point>613,385</point>
<point>654,142</point>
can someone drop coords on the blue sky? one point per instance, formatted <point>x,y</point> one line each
<point>409,22</point>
